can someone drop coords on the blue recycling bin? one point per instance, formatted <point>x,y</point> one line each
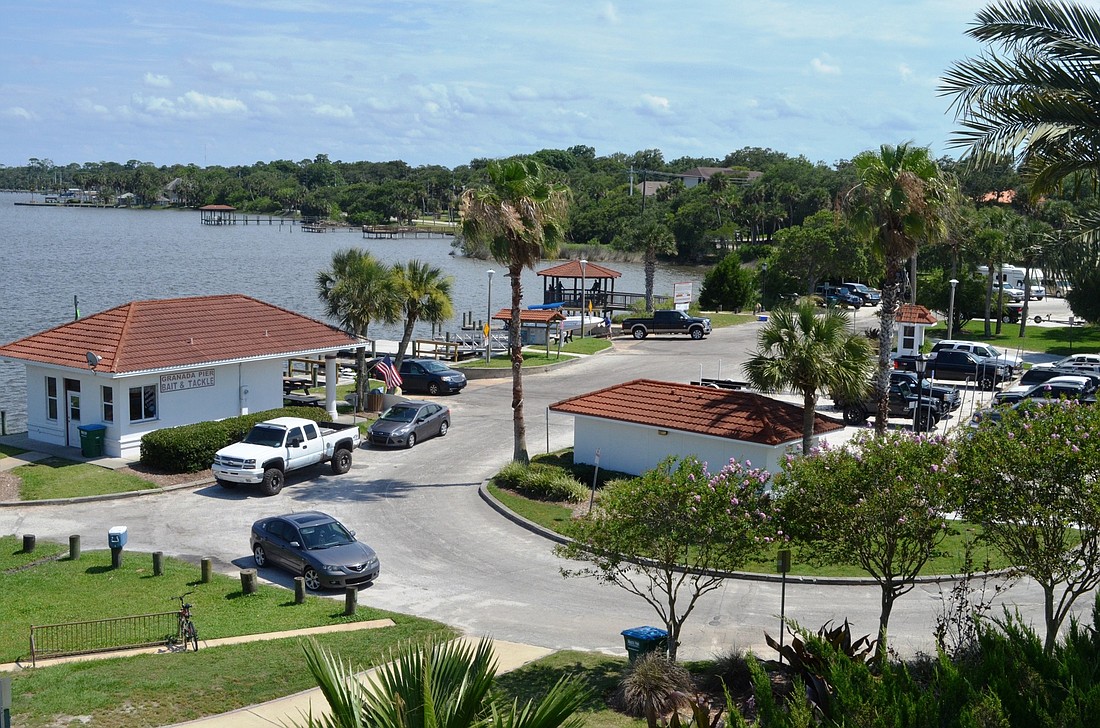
<point>643,640</point>
<point>91,440</point>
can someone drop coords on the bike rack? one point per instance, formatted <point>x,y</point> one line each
<point>103,635</point>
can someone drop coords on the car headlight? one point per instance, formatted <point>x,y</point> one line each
<point>250,463</point>
<point>332,568</point>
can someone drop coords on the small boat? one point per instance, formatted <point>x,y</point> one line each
<point>573,323</point>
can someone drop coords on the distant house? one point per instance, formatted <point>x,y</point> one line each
<point>170,195</point>
<point>146,365</point>
<point>699,175</point>
<point>636,424</point>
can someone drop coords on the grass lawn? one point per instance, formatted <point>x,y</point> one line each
<point>159,689</point>
<point>720,320</point>
<point>60,478</point>
<point>8,450</point>
<point>952,552</point>
<point>1057,340</point>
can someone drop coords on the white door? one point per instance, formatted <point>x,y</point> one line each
<point>72,417</point>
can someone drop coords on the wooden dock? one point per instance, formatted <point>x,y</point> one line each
<point>393,232</point>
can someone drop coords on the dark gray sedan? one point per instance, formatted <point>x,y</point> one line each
<point>315,546</point>
<point>407,423</point>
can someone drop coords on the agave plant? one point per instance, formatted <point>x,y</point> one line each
<point>811,665</point>
<point>436,685</point>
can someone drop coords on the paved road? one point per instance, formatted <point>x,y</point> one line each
<point>446,555</point>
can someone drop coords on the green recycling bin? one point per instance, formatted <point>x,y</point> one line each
<point>643,640</point>
<point>91,440</point>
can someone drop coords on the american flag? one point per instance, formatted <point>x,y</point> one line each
<point>389,373</point>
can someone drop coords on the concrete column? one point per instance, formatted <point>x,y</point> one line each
<point>330,385</point>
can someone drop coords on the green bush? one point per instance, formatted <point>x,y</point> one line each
<point>542,482</point>
<point>191,448</point>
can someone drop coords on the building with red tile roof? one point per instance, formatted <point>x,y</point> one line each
<point>146,365</point>
<point>634,425</point>
<point>912,319</point>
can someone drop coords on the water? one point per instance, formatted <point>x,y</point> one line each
<point>108,257</point>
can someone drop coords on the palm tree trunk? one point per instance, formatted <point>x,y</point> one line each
<point>809,413</point>
<point>650,274</point>
<point>519,427</point>
<point>887,313</point>
<point>406,337</point>
<point>361,378</point>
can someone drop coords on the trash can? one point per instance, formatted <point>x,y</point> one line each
<point>375,399</point>
<point>91,440</point>
<point>643,640</point>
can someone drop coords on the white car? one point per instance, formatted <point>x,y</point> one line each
<point>984,352</point>
<point>1084,362</point>
<point>1037,293</point>
<point>1015,295</point>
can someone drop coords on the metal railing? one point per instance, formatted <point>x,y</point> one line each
<point>103,635</point>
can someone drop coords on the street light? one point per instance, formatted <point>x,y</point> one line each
<point>763,282</point>
<point>951,308</point>
<point>488,315</point>
<point>584,264</point>
<point>919,364</point>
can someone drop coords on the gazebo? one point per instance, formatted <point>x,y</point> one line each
<point>217,214</point>
<point>575,286</point>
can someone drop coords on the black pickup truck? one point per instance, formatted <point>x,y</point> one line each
<point>667,322</point>
<point>903,403</point>
<point>958,365</point>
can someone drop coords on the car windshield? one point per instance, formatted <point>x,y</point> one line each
<point>266,436</point>
<point>325,535</point>
<point>434,366</point>
<point>400,413</point>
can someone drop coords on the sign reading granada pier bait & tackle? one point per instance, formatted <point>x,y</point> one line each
<point>186,380</point>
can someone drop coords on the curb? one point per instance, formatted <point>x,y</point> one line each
<point>483,491</point>
<point>106,496</point>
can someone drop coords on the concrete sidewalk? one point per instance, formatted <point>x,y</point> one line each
<point>282,711</point>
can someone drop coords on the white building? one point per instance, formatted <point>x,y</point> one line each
<point>147,365</point>
<point>636,424</point>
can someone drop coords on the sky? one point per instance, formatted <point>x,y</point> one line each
<point>230,82</point>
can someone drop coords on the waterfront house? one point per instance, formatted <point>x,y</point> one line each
<point>150,364</point>
<point>634,425</point>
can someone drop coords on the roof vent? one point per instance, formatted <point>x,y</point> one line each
<point>191,340</point>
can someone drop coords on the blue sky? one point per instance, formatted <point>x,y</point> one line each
<point>443,82</point>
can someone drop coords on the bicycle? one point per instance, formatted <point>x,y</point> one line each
<point>186,632</point>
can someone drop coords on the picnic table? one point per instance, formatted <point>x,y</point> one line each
<point>304,400</point>
<point>292,383</point>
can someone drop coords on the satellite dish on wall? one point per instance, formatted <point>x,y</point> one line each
<point>93,359</point>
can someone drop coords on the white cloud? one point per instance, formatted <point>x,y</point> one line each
<point>905,72</point>
<point>334,112</point>
<point>265,96</point>
<point>157,80</point>
<point>213,104</point>
<point>610,13</point>
<point>822,65</point>
<point>654,104</point>
<point>18,112</point>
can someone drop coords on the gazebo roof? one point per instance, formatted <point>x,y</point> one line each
<point>572,269</point>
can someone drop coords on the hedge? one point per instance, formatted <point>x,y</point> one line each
<point>191,448</point>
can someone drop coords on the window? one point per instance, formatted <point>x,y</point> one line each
<point>108,404</point>
<point>908,337</point>
<point>143,403</point>
<point>311,432</point>
<point>51,398</point>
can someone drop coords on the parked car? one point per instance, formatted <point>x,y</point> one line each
<point>667,321</point>
<point>958,365</point>
<point>431,376</point>
<point>948,396</point>
<point>1015,295</point>
<point>830,295</point>
<point>870,296</point>
<point>1083,362</point>
<point>1036,293</point>
<point>986,352</point>
<point>1039,373</point>
<point>317,547</point>
<point>903,402</point>
<point>1070,387</point>
<point>407,423</point>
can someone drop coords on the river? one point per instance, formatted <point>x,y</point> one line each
<point>107,257</point>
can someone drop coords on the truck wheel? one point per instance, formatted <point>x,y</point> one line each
<point>227,484</point>
<point>854,414</point>
<point>1006,319</point>
<point>986,383</point>
<point>697,333</point>
<point>638,332</point>
<point>341,462</point>
<point>433,388</point>
<point>273,481</point>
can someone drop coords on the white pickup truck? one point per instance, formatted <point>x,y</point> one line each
<point>273,448</point>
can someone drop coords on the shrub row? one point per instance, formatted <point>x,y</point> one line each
<point>191,448</point>
<point>541,482</point>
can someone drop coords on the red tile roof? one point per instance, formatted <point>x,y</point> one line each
<point>912,313</point>
<point>531,316</point>
<point>147,335</point>
<point>572,269</point>
<point>219,208</point>
<point>736,415</point>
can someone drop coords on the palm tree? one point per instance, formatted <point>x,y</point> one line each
<point>1040,99</point>
<point>356,290</point>
<point>809,353</point>
<point>425,295</point>
<point>899,201</point>
<point>521,216</point>
<point>438,685</point>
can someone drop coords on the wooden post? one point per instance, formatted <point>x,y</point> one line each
<point>299,590</point>
<point>28,543</point>
<point>74,547</point>
<point>248,581</point>
<point>207,569</point>
<point>351,595</point>
<point>158,563</point>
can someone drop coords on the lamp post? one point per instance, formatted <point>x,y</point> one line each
<point>951,308</point>
<point>488,315</point>
<point>763,283</point>
<point>920,364</point>
<point>584,264</point>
